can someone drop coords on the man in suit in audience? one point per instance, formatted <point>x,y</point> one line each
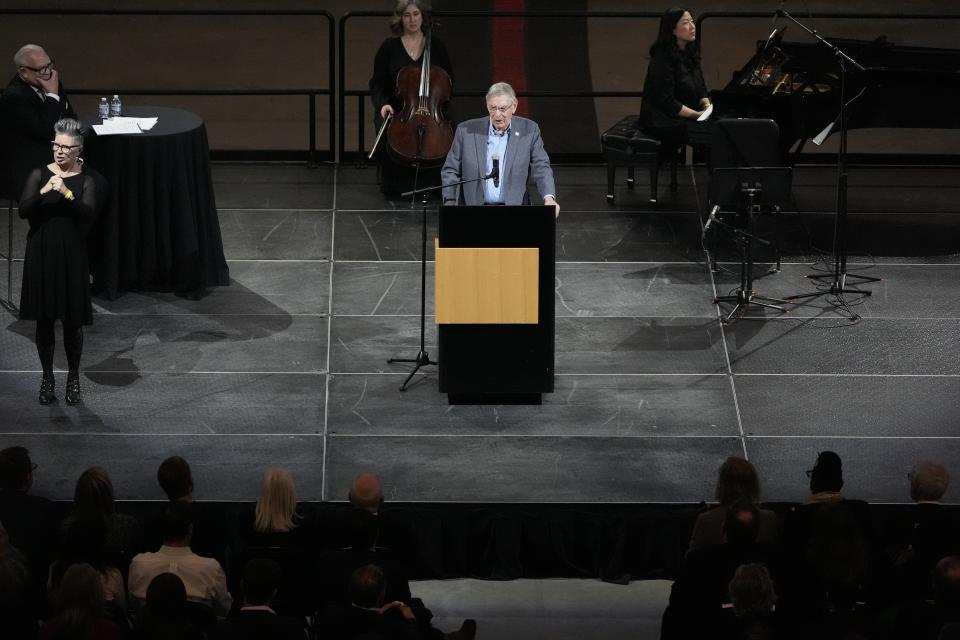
<point>203,578</point>
<point>30,521</point>
<point>31,103</point>
<point>927,534</point>
<point>700,589</point>
<point>256,620</point>
<point>366,615</point>
<point>503,144</point>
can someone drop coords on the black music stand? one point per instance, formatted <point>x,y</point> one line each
<point>745,178</point>
<point>838,276</point>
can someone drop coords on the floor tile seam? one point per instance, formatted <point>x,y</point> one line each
<point>96,372</point>
<point>723,335</point>
<point>326,381</point>
<point>132,314</point>
<point>604,374</point>
<point>579,436</point>
<point>269,260</point>
<point>849,375</point>
<point>801,436</point>
<point>277,209</point>
<point>565,317</point>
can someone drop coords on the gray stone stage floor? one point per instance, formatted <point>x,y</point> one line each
<point>287,366</point>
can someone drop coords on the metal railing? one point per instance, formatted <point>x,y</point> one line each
<point>362,94</point>
<point>312,153</point>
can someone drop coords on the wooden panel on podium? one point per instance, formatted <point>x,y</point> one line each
<point>487,285</point>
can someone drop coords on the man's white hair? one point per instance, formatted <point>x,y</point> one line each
<point>501,89</point>
<point>22,57</point>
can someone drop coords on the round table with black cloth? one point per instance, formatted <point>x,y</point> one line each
<point>159,229</point>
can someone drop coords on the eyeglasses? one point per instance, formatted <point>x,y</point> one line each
<point>44,70</point>
<point>67,148</point>
<point>495,109</point>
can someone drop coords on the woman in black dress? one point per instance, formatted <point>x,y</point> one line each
<point>674,93</point>
<point>410,23</point>
<point>60,201</point>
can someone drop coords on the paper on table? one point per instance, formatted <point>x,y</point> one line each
<point>706,113</point>
<point>145,124</point>
<point>112,128</point>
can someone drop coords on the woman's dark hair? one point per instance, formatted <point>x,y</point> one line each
<point>80,602</point>
<point>737,480</point>
<point>396,22</point>
<point>93,496</point>
<point>666,42</point>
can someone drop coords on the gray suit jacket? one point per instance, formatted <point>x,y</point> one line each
<point>525,156</point>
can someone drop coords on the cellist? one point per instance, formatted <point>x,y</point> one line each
<point>410,23</point>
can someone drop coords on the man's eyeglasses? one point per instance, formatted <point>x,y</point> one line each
<point>491,109</point>
<point>66,148</point>
<point>44,70</point>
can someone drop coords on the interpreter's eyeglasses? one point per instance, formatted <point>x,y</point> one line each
<point>491,109</point>
<point>44,70</point>
<point>66,148</point>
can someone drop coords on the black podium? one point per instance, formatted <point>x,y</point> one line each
<point>494,303</point>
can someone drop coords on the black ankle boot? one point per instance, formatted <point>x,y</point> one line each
<point>46,390</point>
<point>73,391</point>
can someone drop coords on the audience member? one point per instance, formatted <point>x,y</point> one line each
<point>164,614</point>
<point>924,620</point>
<point>736,480</point>
<point>256,620</point>
<point>366,615</point>
<point>393,534</point>
<point>752,615</point>
<point>278,533</point>
<point>30,521</point>
<point>80,607</point>
<point>32,102</point>
<point>18,614</point>
<point>927,534</point>
<point>95,534</point>
<point>203,578</point>
<point>701,587</point>
<point>211,534</point>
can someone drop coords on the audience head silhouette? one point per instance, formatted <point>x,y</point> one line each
<point>827,473</point>
<point>928,481</point>
<point>277,505</point>
<point>751,591</point>
<point>367,492</point>
<point>737,480</point>
<point>16,469</point>
<point>367,586</point>
<point>175,478</point>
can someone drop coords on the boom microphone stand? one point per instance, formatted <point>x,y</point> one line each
<point>422,358</point>
<point>838,284</point>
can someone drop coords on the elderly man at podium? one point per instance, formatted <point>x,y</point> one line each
<point>509,148</point>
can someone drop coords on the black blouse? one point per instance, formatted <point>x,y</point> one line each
<point>674,79</point>
<point>390,59</point>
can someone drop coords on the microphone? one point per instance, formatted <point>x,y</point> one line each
<point>495,174</point>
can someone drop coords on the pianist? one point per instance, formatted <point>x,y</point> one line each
<point>674,94</point>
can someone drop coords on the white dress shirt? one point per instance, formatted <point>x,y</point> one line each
<point>203,578</point>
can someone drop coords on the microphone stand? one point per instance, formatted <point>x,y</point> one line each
<point>838,284</point>
<point>422,358</point>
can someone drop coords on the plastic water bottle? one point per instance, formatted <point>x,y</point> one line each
<point>116,108</point>
<point>104,109</point>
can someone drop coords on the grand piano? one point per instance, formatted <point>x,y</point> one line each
<point>797,84</point>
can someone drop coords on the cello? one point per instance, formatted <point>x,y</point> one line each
<point>420,134</point>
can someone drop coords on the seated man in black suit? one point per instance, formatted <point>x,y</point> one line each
<point>701,587</point>
<point>367,616</point>
<point>32,102</point>
<point>256,620</point>
<point>30,521</point>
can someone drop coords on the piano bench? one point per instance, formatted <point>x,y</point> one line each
<point>626,145</point>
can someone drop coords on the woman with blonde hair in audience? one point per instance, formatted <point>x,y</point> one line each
<point>736,480</point>
<point>277,533</point>
<point>80,607</point>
